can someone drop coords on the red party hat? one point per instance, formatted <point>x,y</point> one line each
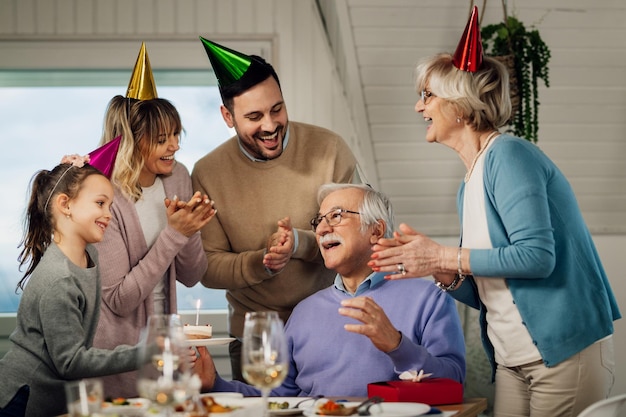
<point>469,52</point>
<point>103,158</point>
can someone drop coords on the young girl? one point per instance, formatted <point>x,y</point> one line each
<point>69,209</point>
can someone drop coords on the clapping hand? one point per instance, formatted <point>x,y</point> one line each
<point>189,217</point>
<point>279,246</point>
<point>417,253</point>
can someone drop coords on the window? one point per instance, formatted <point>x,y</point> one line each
<point>49,114</point>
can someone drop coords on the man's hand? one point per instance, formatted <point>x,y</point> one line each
<point>279,246</point>
<point>204,367</point>
<point>376,324</point>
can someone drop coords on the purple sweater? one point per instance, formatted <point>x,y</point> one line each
<point>328,360</point>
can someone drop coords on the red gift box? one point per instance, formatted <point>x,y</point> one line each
<point>432,391</point>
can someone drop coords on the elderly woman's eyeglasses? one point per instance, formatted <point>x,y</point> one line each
<point>333,217</point>
<point>426,95</point>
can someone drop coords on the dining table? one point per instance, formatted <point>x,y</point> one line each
<point>470,407</point>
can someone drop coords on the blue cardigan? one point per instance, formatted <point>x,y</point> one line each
<point>544,249</point>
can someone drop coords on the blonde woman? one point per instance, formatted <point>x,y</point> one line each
<point>153,239</point>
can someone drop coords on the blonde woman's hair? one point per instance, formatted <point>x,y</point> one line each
<point>139,122</point>
<point>481,98</point>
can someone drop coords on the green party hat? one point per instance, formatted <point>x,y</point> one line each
<point>229,65</point>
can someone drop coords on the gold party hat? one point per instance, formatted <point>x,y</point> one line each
<point>141,85</point>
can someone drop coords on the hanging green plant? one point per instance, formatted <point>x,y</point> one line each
<point>528,57</point>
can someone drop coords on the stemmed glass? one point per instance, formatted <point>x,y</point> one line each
<point>264,362</point>
<point>165,370</point>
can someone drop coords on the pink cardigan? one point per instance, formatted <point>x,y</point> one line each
<point>130,271</point>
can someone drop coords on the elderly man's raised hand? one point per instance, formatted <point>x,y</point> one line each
<point>375,323</point>
<point>189,217</point>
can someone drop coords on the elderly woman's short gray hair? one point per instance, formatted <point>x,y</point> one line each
<point>375,205</point>
<point>482,97</point>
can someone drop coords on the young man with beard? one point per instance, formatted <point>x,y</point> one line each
<point>263,181</point>
<point>410,326</point>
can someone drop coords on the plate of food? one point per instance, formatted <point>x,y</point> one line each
<point>126,406</point>
<point>383,409</point>
<point>287,406</point>
<point>203,336</point>
<point>230,404</point>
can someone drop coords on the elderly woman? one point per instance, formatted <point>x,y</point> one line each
<point>526,259</point>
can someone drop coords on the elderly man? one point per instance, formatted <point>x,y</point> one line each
<point>411,325</point>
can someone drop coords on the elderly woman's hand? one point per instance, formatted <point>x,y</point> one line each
<point>408,254</point>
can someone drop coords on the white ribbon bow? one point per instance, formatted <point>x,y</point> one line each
<point>413,375</point>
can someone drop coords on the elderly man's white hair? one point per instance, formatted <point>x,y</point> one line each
<point>375,205</point>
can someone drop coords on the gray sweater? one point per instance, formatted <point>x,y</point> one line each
<point>56,323</point>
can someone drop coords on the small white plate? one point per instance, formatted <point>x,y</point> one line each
<point>210,342</point>
<point>384,409</point>
<point>292,401</point>
<point>136,407</point>
<point>217,396</point>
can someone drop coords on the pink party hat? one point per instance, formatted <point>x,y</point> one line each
<point>469,52</point>
<point>103,158</point>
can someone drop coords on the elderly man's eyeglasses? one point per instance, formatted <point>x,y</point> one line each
<point>333,217</point>
<point>426,95</point>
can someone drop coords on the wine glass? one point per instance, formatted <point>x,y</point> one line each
<point>165,372</point>
<point>264,362</point>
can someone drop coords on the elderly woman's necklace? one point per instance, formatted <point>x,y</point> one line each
<point>480,152</point>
